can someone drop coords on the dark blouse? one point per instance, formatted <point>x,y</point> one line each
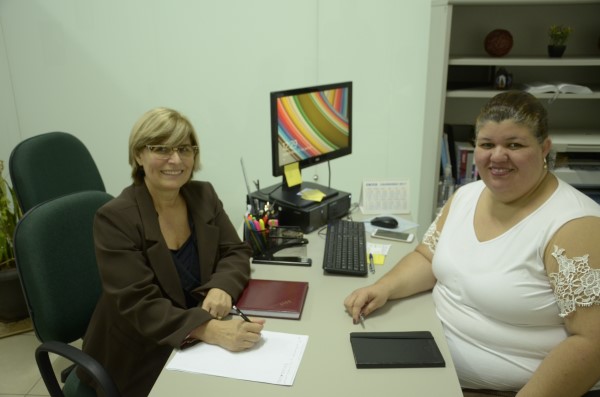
<point>186,260</point>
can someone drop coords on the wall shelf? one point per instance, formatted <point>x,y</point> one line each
<point>489,93</point>
<point>524,61</point>
<point>457,44</point>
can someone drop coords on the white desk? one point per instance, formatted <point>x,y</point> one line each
<point>327,367</point>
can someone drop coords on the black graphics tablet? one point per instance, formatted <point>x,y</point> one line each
<point>395,350</point>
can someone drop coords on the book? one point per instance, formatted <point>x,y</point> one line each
<point>457,133</point>
<point>273,298</point>
<point>470,168</point>
<point>445,152</point>
<point>556,87</point>
<point>464,162</point>
<point>414,349</point>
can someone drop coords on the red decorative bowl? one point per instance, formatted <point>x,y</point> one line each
<point>498,42</point>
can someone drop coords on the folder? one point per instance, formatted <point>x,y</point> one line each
<point>273,298</point>
<point>395,350</point>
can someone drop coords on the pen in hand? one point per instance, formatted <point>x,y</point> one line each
<point>242,315</point>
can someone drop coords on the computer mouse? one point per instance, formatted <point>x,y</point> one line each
<point>385,221</point>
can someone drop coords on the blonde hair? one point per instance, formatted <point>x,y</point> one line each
<point>159,126</point>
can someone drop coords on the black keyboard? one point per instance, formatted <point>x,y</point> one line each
<point>345,248</point>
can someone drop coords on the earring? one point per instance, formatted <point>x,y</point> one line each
<point>545,164</point>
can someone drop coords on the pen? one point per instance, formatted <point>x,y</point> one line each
<point>241,314</point>
<point>371,263</point>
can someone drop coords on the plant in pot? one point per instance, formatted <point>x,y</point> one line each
<point>12,300</point>
<point>558,35</point>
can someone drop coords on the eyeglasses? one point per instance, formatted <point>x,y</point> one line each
<point>165,152</point>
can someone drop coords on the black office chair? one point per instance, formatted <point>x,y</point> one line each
<point>54,251</point>
<point>50,165</point>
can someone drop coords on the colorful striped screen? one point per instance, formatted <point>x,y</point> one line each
<point>312,124</point>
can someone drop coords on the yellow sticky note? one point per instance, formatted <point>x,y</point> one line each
<point>292,174</point>
<point>312,195</point>
<point>378,259</point>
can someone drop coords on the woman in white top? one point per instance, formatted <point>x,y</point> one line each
<point>514,264</point>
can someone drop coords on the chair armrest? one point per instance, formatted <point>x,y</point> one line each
<point>81,359</point>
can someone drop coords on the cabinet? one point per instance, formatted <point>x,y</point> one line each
<point>467,71</point>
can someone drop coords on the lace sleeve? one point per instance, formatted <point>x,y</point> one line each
<point>432,235</point>
<point>575,283</point>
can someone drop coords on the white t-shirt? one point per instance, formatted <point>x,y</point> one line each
<point>494,298</point>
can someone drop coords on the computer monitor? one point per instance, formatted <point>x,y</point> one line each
<point>309,126</point>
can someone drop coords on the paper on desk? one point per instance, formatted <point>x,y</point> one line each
<point>274,360</point>
<point>379,252</point>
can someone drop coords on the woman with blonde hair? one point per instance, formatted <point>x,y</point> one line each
<point>170,260</point>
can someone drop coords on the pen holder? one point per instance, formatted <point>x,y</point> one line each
<point>266,242</point>
<point>258,240</point>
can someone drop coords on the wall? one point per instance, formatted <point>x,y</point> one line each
<point>93,67</point>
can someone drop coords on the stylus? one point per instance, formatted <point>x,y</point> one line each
<point>241,314</point>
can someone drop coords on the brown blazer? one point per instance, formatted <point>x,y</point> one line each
<point>141,314</point>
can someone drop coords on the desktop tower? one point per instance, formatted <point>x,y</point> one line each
<point>308,218</point>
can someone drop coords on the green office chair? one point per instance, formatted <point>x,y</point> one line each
<point>55,256</point>
<point>50,165</point>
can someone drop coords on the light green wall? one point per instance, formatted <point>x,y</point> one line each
<point>93,67</point>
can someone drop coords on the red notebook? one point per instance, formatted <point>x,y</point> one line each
<point>273,298</point>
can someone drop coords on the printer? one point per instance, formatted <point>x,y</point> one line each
<point>575,158</point>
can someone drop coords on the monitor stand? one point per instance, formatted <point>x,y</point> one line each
<point>289,195</point>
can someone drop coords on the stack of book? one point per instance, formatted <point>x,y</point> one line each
<point>466,170</point>
<point>457,153</point>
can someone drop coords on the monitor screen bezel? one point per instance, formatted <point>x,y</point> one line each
<point>275,95</point>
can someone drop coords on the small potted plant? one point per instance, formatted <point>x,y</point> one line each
<point>558,35</point>
<point>12,301</point>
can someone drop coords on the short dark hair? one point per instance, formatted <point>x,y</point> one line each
<point>518,106</point>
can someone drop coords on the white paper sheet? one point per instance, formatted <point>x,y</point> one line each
<point>275,359</point>
<point>378,249</point>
